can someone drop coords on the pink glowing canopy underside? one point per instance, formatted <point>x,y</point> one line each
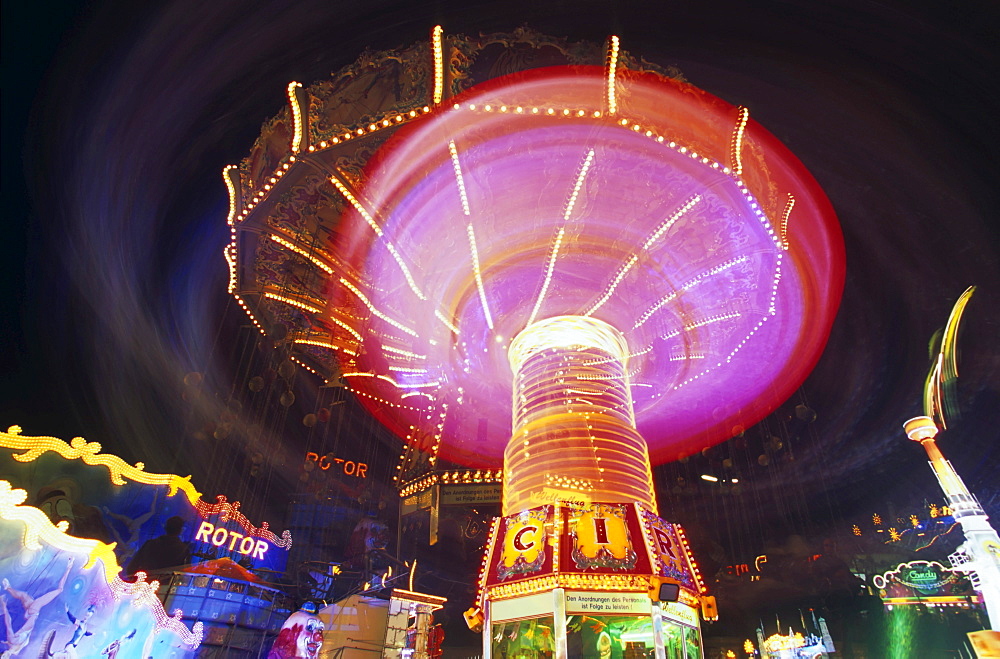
<point>641,218</point>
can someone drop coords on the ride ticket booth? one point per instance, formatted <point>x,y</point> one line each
<point>596,580</point>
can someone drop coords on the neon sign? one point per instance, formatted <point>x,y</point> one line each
<point>922,576</point>
<point>231,511</point>
<point>930,582</point>
<point>350,467</point>
<point>219,535</point>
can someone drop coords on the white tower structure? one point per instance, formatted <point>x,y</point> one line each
<point>979,555</point>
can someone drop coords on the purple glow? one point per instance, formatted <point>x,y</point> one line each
<point>723,322</point>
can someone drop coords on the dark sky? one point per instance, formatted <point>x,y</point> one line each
<point>118,118</point>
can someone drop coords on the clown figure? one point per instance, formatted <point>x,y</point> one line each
<point>300,637</point>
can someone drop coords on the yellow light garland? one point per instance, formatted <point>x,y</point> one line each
<point>301,251</point>
<point>293,103</point>
<point>612,101</point>
<point>438,50</point>
<point>119,471</point>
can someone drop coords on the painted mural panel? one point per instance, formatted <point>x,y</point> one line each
<point>60,596</point>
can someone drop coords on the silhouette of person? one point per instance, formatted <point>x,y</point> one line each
<point>163,552</point>
<point>18,641</point>
<point>126,545</point>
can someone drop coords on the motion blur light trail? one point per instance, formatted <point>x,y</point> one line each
<point>574,423</point>
<point>901,632</point>
<point>675,219</point>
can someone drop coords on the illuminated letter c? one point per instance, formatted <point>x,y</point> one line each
<point>520,546</point>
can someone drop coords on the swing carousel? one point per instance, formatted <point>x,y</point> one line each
<point>550,265</point>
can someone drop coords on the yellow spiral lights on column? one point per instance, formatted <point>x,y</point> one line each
<point>574,436</point>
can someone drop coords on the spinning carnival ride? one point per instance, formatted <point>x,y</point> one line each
<point>542,256</point>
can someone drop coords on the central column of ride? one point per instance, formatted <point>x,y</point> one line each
<point>574,437</point>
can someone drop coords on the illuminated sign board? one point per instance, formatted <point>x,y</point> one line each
<point>925,576</point>
<point>598,546</point>
<point>223,531</point>
<point>671,553</point>
<point>601,538</point>
<point>347,467</point>
<point>525,548</point>
<point>919,581</point>
<point>470,494</point>
<point>220,536</point>
<point>678,612</point>
<point>613,603</point>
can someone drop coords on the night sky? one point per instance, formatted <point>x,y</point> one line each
<point>118,118</point>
